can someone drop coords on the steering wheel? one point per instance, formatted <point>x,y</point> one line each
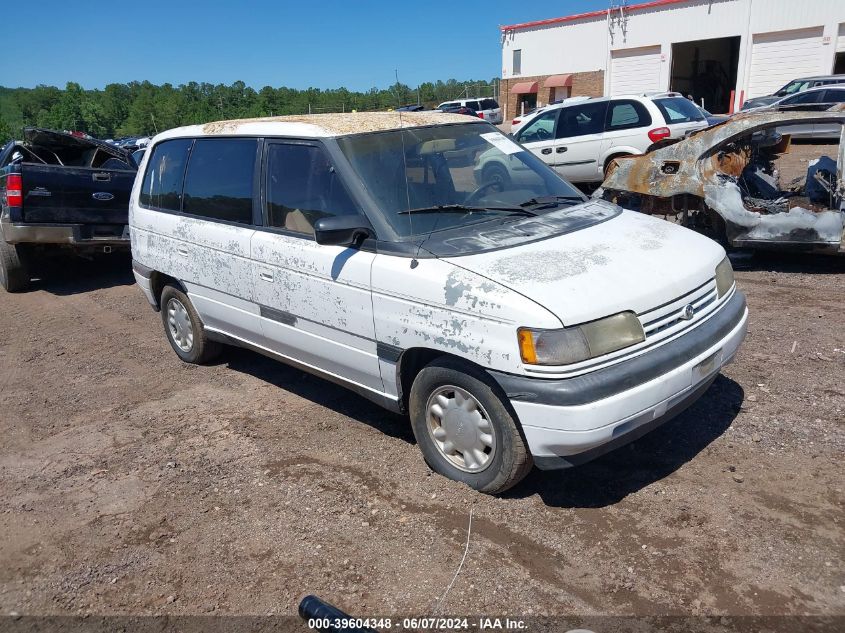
<point>479,193</point>
<point>543,134</point>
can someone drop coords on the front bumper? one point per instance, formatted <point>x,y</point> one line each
<point>73,234</point>
<point>571,421</point>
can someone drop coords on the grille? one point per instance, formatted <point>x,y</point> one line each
<point>670,318</point>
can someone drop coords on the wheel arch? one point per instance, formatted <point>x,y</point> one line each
<point>158,281</point>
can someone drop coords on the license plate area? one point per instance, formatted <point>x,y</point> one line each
<point>706,368</point>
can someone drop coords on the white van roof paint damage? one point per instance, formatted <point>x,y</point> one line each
<point>318,125</point>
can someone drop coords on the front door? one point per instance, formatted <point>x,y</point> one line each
<point>315,301</point>
<point>538,136</point>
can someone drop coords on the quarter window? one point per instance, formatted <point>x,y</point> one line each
<point>162,186</point>
<point>219,181</point>
<point>302,187</point>
<point>623,115</point>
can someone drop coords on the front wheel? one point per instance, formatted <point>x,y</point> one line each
<point>184,329</point>
<point>464,428</point>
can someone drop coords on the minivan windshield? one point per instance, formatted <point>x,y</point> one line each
<point>443,177</point>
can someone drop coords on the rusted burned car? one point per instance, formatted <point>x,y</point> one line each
<point>728,182</point>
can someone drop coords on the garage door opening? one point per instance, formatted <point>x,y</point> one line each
<point>706,70</point>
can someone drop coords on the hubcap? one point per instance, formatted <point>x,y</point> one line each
<point>461,429</point>
<point>179,324</point>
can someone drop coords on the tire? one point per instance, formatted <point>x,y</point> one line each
<point>496,173</point>
<point>505,459</point>
<point>14,273</point>
<point>184,330</point>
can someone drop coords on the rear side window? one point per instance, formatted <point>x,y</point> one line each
<point>473,105</point>
<point>489,104</point>
<point>678,110</point>
<point>809,96</point>
<point>219,182</point>
<point>162,187</point>
<point>835,95</point>
<point>302,187</point>
<point>623,115</point>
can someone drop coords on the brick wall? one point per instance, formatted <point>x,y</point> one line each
<point>589,84</point>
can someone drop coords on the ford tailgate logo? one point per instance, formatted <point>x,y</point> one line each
<point>103,196</point>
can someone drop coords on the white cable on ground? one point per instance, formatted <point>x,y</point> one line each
<point>460,565</point>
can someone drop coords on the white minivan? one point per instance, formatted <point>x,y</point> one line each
<point>515,324</point>
<point>580,137</point>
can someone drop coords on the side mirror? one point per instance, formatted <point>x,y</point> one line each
<point>342,230</point>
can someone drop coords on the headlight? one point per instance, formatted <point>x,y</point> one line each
<point>574,344</point>
<point>724,277</point>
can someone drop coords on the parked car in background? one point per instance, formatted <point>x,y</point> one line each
<point>580,140</point>
<point>60,190</point>
<point>413,107</point>
<point>793,87</point>
<point>713,119</point>
<point>453,109</point>
<point>486,108</point>
<point>515,325</point>
<point>810,100</point>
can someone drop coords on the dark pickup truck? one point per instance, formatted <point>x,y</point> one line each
<point>58,190</point>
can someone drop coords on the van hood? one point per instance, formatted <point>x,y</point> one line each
<point>629,262</point>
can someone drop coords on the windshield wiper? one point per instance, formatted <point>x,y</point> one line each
<point>545,202</point>
<point>468,209</point>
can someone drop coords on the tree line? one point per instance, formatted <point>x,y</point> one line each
<point>142,108</point>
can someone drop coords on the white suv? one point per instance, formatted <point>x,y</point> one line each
<point>487,108</point>
<point>514,325</point>
<point>579,140</point>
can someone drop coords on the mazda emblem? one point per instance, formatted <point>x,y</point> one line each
<point>687,312</point>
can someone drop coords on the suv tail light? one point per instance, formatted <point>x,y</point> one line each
<point>659,133</point>
<point>515,122</point>
<point>14,190</point>
<point>480,115</point>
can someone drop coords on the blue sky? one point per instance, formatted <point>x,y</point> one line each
<point>321,44</point>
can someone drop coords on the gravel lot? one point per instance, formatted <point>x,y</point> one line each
<point>135,484</point>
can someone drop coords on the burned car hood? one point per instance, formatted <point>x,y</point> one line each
<point>54,140</point>
<point>630,262</point>
<point>684,167</point>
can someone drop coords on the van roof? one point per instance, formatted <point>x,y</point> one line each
<point>319,125</point>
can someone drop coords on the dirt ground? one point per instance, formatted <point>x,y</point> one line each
<point>131,483</point>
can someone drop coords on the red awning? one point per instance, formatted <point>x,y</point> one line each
<point>524,87</point>
<point>558,81</point>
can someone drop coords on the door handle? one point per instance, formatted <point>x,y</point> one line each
<point>266,276</point>
<point>102,177</point>
<point>182,251</point>
<point>546,150</point>
<point>561,150</point>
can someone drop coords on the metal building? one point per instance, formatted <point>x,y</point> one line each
<point>718,51</point>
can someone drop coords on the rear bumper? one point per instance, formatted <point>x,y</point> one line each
<point>571,421</point>
<point>73,234</point>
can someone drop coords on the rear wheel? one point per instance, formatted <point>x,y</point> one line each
<point>465,429</point>
<point>14,273</point>
<point>184,329</point>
